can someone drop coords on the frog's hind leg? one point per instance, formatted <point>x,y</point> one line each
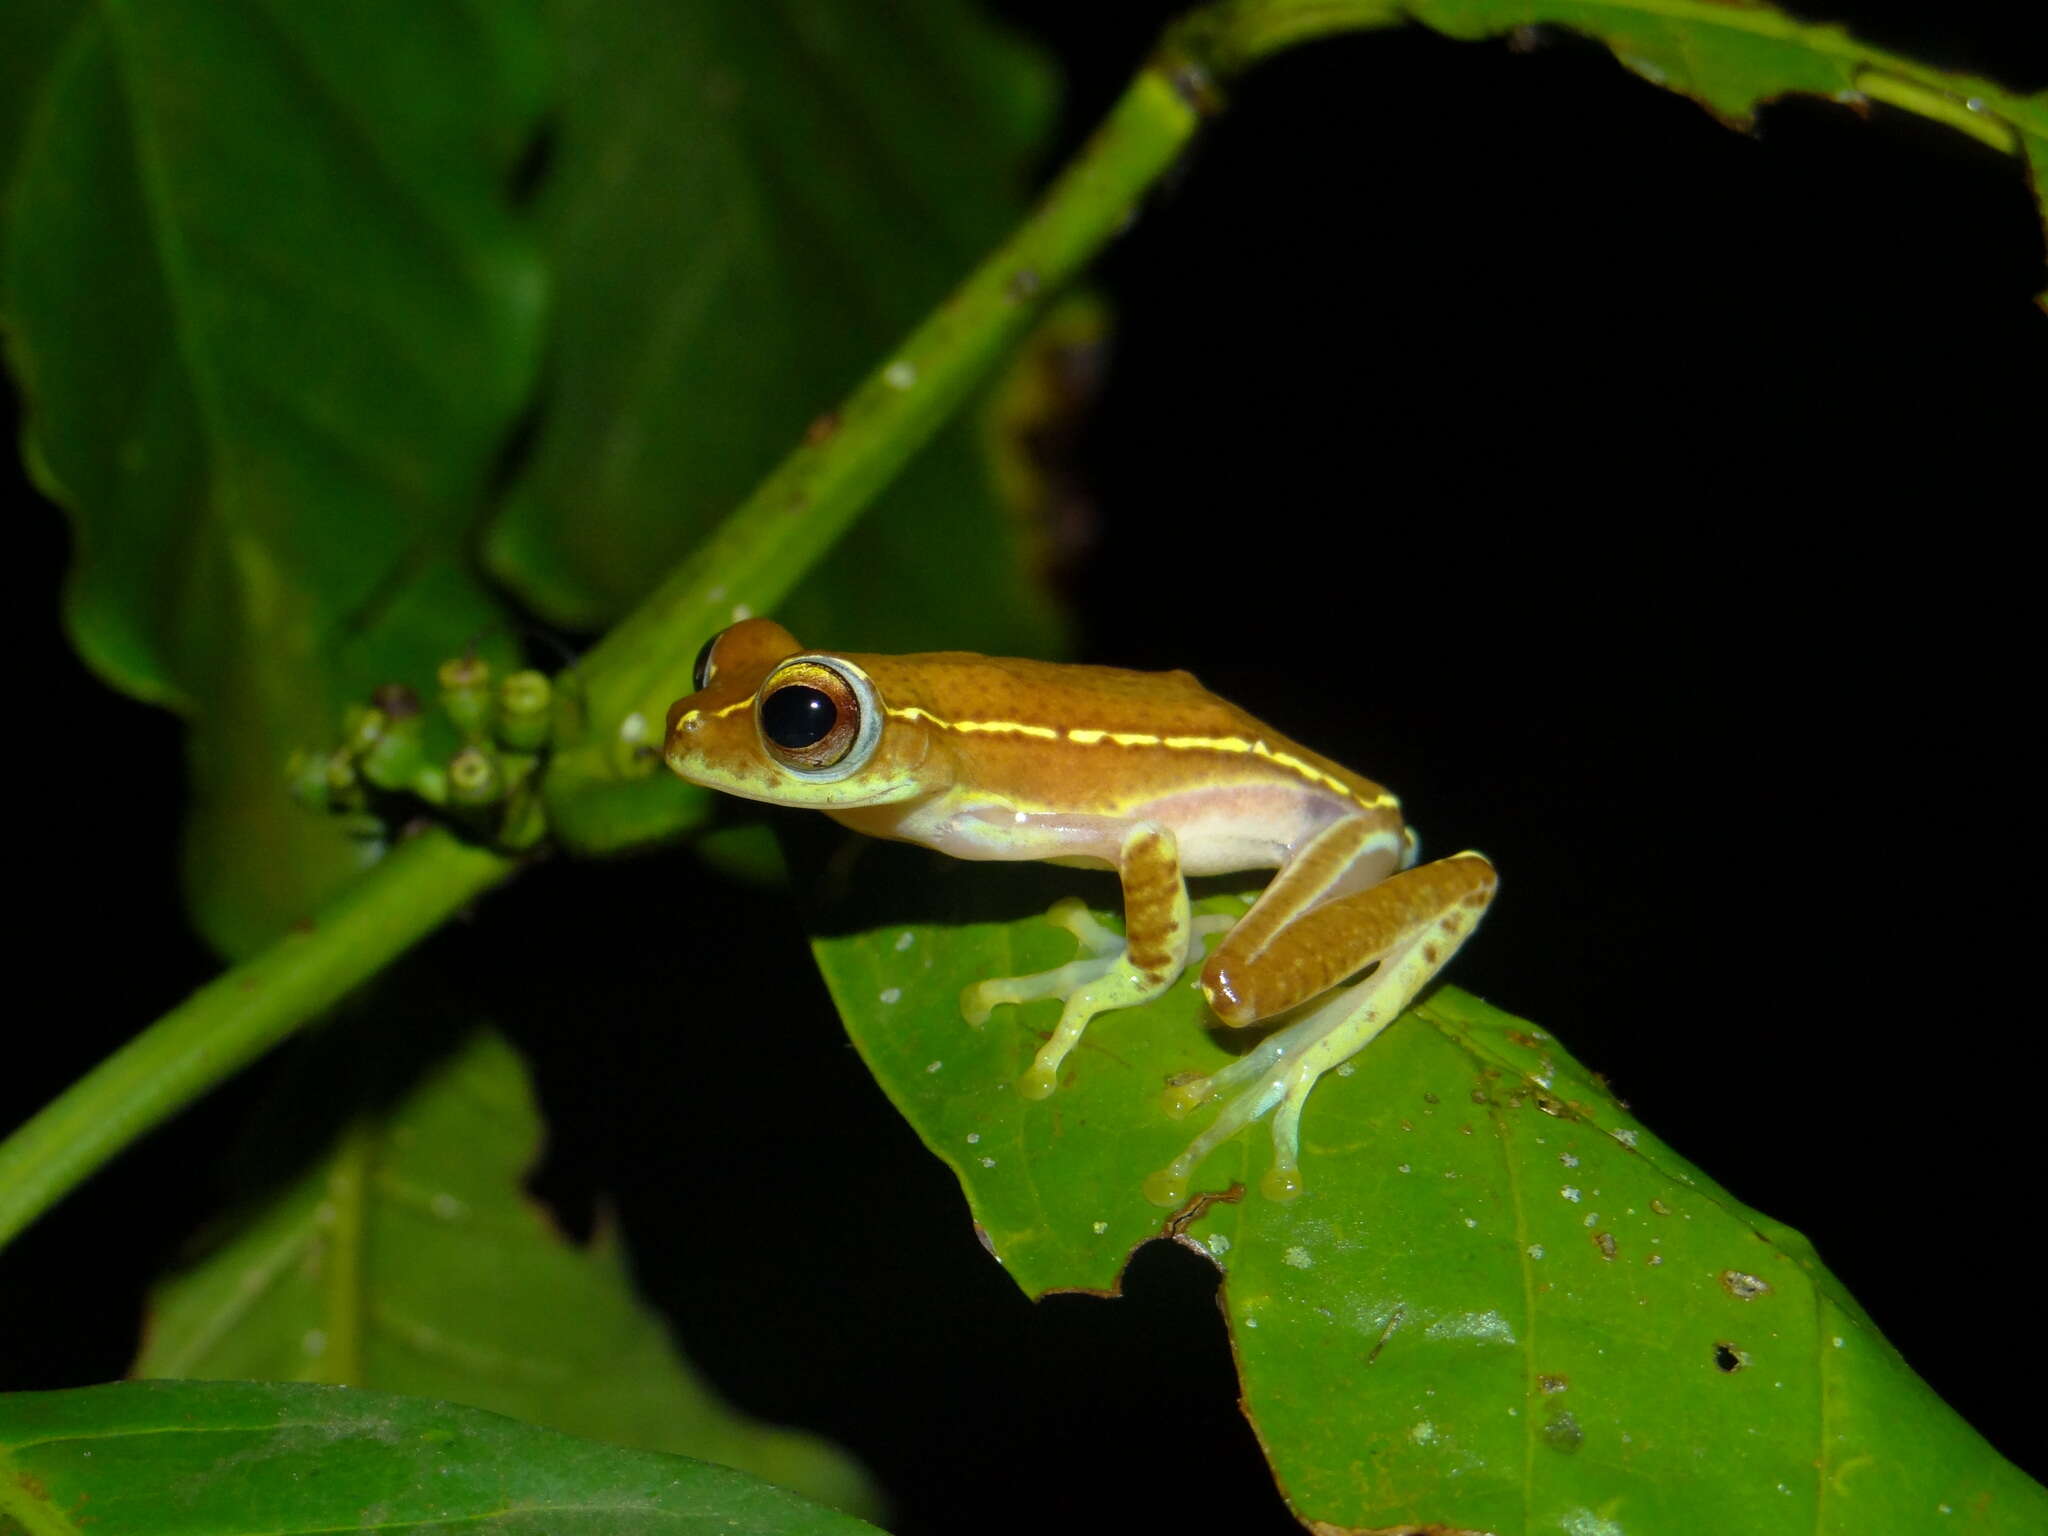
<point>1160,941</point>
<point>1411,925</point>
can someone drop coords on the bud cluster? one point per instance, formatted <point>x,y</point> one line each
<point>476,761</point>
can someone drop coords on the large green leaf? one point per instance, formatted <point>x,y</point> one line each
<point>273,314</point>
<point>747,204</point>
<point>252,1459</point>
<point>1502,1304</point>
<point>405,1257</point>
<point>1731,56</point>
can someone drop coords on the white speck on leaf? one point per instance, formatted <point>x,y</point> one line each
<point>933,1066</point>
<point>1296,1257</point>
<point>973,1137</point>
<point>904,940</point>
<point>1570,1194</point>
<point>892,994</point>
<point>1489,1325</point>
<point>900,374</point>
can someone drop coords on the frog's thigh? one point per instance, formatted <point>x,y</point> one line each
<point>1312,927</point>
<point>1411,924</point>
<point>1156,944</point>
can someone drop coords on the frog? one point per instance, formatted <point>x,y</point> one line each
<point>1146,774</point>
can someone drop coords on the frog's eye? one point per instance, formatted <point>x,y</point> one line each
<point>819,717</point>
<point>702,671</point>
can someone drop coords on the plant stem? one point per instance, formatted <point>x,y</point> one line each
<point>764,548</point>
<point>604,791</point>
<point>237,1017</point>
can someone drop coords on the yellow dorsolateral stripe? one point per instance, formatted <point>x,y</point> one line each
<point>1089,736</point>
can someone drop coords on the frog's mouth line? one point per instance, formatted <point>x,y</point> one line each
<point>771,788</point>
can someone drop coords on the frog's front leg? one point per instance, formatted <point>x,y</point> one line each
<point>1159,943</point>
<point>1305,933</point>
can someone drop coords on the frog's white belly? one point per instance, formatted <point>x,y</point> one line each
<point>1219,830</point>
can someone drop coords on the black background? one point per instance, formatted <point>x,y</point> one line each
<point>1649,504</point>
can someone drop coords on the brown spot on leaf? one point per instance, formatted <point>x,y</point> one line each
<point>1178,1223</point>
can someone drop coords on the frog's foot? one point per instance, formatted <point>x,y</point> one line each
<point>1276,1075</point>
<point>1115,972</point>
<point>1101,944</point>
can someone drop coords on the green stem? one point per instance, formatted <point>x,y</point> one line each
<point>237,1017</point>
<point>603,792</point>
<point>764,548</point>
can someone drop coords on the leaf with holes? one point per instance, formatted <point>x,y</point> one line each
<point>1501,1305</point>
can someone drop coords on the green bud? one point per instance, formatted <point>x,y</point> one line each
<point>360,727</point>
<point>397,754</point>
<point>344,788</point>
<point>465,694</point>
<point>306,773</point>
<point>340,773</point>
<point>525,711</point>
<point>431,784</point>
<point>473,778</point>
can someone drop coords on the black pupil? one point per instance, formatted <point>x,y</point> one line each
<point>796,716</point>
<point>700,674</point>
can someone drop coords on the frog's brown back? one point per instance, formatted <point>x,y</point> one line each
<point>1161,724</point>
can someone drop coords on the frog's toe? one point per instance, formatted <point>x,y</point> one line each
<point>979,1001</point>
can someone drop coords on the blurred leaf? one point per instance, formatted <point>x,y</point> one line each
<point>272,316</point>
<point>748,204</point>
<point>253,1459</point>
<point>1501,1305</point>
<point>32,32</point>
<point>406,1258</point>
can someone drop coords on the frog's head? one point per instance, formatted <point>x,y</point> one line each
<point>772,721</point>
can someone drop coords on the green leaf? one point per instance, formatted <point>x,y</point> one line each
<point>273,315</point>
<point>32,33</point>
<point>254,1459</point>
<point>1502,1304</point>
<point>406,1258</point>
<point>747,205</point>
<point>1731,56</point>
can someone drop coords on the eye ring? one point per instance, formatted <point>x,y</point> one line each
<point>819,718</point>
